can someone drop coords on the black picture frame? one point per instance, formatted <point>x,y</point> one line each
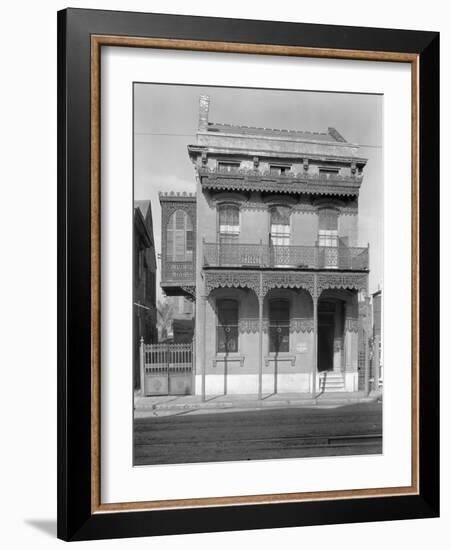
<point>76,520</point>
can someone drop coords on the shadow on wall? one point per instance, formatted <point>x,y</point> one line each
<point>46,526</point>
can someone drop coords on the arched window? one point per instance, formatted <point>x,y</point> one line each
<point>180,242</point>
<point>229,223</point>
<point>279,326</point>
<point>227,326</point>
<point>280,225</point>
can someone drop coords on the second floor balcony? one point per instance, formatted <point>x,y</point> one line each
<point>238,179</point>
<point>178,272</point>
<point>288,257</point>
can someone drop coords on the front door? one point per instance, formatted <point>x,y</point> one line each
<point>326,329</point>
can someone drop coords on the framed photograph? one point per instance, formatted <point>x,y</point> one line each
<point>248,274</point>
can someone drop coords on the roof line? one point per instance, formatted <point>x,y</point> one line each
<point>267,129</point>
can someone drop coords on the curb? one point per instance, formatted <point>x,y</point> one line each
<point>251,405</point>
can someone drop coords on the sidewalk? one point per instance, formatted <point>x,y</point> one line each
<point>251,402</point>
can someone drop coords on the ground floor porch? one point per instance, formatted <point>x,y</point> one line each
<point>269,333</point>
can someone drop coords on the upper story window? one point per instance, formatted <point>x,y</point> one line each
<point>227,326</point>
<point>328,227</point>
<point>280,225</point>
<point>180,238</point>
<point>278,170</point>
<point>328,237</point>
<point>228,167</point>
<point>329,171</point>
<point>229,223</point>
<point>279,326</point>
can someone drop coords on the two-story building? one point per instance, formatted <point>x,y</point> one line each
<point>268,246</point>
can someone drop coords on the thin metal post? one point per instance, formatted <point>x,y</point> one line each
<point>193,358</point>
<point>376,363</point>
<point>367,363</point>
<point>315,336</point>
<point>141,365</point>
<point>203,343</point>
<point>167,363</point>
<point>260,344</point>
<point>315,344</point>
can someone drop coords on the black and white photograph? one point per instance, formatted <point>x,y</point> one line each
<point>222,263</point>
<point>258,265</point>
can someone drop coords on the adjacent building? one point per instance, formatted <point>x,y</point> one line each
<point>376,366</point>
<point>144,283</point>
<point>365,342</point>
<point>268,247</point>
<point>177,320</point>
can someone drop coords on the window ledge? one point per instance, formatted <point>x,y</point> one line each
<point>282,356</point>
<point>229,357</point>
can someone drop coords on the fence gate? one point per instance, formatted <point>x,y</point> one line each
<point>166,369</point>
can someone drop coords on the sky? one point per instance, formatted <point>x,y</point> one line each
<point>166,119</point>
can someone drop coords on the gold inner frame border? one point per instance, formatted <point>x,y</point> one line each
<point>97,41</point>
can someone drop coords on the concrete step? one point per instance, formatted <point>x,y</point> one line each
<point>332,381</point>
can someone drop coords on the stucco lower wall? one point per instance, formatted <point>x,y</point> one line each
<point>351,381</point>
<point>304,228</point>
<point>247,384</point>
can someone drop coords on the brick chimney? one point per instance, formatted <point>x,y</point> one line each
<point>204,107</point>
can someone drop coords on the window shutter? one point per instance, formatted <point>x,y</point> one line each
<point>179,237</point>
<point>229,223</point>
<point>280,226</point>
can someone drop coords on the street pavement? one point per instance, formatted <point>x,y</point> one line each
<point>265,433</point>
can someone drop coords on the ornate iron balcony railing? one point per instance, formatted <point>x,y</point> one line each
<point>305,182</point>
<point>267,175</point>
<point>293,257</point>
<point>177,272</point>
